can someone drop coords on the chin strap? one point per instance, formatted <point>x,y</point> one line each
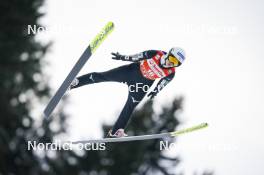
<point>162,61</point>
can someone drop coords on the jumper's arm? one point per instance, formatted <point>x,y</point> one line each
<point>136,57</point>
<point>161,84</point>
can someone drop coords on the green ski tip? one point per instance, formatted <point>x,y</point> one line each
<point>187,130</point>
<point>100,37</point>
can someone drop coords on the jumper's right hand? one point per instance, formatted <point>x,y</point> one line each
<point>116,56</point>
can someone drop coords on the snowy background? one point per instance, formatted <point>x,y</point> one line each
<point>221,80</point>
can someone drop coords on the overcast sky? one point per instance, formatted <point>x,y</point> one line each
<point>221,80</point>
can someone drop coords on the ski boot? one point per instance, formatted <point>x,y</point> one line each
<point>119,133</point>
<point>74,83</point>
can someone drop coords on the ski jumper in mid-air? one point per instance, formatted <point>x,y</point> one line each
<point>147,66</point>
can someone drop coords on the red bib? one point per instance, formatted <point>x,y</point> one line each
<point>151,70</point>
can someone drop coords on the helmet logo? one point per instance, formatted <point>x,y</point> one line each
<point>178,53</point>
<point>181,57</point>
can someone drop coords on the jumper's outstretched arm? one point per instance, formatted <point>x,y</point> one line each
<point>136,57</point>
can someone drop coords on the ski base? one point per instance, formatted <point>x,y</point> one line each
<point>145,137</point>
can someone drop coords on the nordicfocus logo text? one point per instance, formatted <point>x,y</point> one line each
<point>165,145</point>
<point>35,146</point>
<point>137,87</point>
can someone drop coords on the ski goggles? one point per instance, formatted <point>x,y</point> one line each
<point>174,60</point>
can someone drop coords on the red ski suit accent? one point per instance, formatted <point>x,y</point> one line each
<point>150,68</point>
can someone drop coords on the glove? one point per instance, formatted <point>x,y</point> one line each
<point>152,94</point>
<point>116,56</point>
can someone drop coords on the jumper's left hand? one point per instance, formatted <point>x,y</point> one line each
<point>152,94</point>
<point>116,56</point>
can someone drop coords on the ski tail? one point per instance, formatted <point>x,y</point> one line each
<point>187,130</point>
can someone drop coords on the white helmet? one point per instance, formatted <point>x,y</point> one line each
<point>175,56</point>
<point>178,53</point>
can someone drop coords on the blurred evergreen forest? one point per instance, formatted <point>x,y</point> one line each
<point>24,86</point>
